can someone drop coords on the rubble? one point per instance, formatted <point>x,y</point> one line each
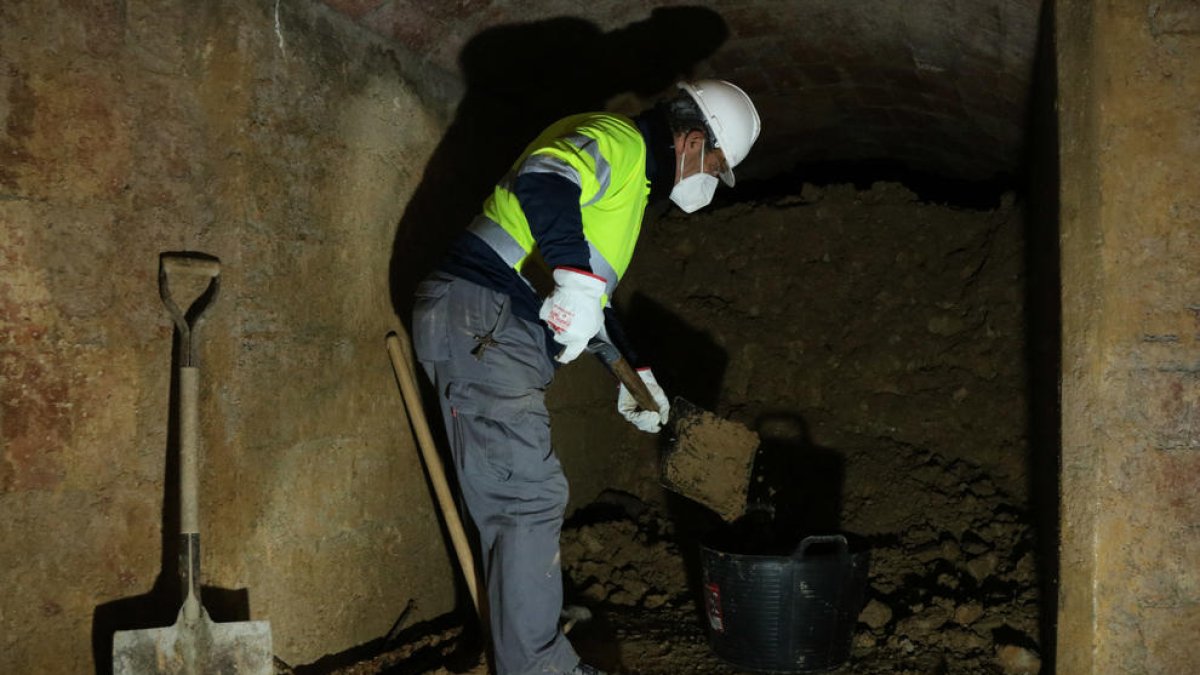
<point>876,615</point>
<point>954,591</point>
<point>1018,660</point>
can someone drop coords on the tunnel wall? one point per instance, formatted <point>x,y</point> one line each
<point>1130,592</point>
<point>267,135</point>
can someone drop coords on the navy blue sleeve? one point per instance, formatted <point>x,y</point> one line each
<point>551,205</point>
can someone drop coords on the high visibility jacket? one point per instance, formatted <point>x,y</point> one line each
<point>604,155</point>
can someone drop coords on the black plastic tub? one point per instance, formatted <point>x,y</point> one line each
<point>785,613</point>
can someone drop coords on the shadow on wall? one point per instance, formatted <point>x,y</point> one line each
<point>797,486</point>
<point>800,481</point>
<point>1043,325</point>
<point>687,362</point>
<point>520,78</point>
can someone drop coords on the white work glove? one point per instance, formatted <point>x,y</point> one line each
<point>646,420</point>
<point>574,310</point>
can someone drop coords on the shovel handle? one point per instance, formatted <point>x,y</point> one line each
<point>612,358</point>
<point>634,383</point>
<point>400,350</point>
<point>179,263</point>
<point>189,482</point>
<point>189,264</point>
<point>187,319</point>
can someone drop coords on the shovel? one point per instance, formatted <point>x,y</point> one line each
<point>399,348</point>
<point>707,459</point>
<point>194,644</point>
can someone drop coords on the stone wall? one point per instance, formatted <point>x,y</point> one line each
<point>285,141</point>
<point>1130,591</point>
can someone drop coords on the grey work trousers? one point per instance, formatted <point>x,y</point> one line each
<point>491,370</point>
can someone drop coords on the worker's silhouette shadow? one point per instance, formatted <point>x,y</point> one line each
<point>796,481</point>
<point>520,78</point>
<point>1043,329</point>
<point>159,607</point>
<point>687,362</point>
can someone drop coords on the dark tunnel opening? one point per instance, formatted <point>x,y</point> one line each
<point>928,186</point>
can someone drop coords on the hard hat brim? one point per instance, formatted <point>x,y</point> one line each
<point>726,174</point>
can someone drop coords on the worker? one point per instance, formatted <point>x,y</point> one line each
<point>571,205</point>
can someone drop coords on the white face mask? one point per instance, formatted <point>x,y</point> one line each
<point>695,191</point>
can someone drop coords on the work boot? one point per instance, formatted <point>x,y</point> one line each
<point>585,669</point>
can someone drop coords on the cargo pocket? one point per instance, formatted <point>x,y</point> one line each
<point>431,330</point>
<point>501,433</point>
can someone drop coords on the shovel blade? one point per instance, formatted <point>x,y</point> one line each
<point>192,648</point>
<point>709,460</point>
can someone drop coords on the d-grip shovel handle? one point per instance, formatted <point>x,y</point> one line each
<point>186,320</point>
<point>197,264</point>
<point>202,265</point>
<point>624,372</point>
<point>840,540</point>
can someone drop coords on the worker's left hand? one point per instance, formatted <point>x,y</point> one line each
<point>646,420</point>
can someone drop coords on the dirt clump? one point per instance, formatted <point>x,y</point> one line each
<point>710,460</point>
<point>624,562</point>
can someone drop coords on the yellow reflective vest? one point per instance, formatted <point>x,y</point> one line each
<point>602,153</point>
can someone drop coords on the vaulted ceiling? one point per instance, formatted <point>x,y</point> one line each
<point>940,86</point>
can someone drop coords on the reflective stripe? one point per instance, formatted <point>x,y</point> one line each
<point>549,164</point>
<point>500,241</point>
<point>512,254</point>
<point>601,268</point>
<point>603,169</point>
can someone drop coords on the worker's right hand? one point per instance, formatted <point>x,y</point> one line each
<point>574,311</point>
<point>649,421</point>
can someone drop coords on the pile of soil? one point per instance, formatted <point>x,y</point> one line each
<point>624,558</point>
<point>956,594</point>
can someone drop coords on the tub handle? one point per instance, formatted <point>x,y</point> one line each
<point>840,540</point>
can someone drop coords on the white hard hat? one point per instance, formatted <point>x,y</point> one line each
<point>731,117</point>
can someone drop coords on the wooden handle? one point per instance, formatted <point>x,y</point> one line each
<point>189,488</point>
<point>399,348</point>
<point>195,264</point>
<point>634,383</point>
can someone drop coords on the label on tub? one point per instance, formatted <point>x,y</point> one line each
<point>712,603</point>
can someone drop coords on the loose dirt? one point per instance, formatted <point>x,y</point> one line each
<point>710,460</point>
